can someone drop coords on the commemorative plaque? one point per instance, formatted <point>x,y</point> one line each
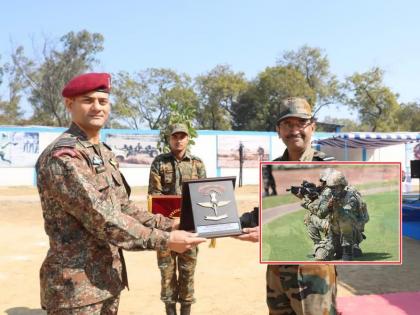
<point>209,207</point>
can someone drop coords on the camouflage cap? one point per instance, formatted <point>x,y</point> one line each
<point>174,128</point>
<point>295,107</point>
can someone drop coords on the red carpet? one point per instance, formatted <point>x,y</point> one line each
<point>405,303</point>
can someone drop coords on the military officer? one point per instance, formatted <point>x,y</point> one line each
<point>88,216</point>
<point>346,204</point>
<point>167,173</point>
<point>318,222</point>
<point>303,289</point>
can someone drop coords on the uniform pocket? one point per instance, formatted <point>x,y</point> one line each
<point>102,182</point>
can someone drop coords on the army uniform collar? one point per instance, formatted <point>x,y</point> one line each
<point>187,156</point>
<point>80,134</point>
<point>307,155</point>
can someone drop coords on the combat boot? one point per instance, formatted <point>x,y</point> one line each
<point>170,308</point>
<point>347,253</point>
<point>185,309</point>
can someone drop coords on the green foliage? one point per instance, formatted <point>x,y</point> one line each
<point>45,77</point>
<point>178,114</point>
<point>348,124</point>
<point>217,91</point>
<point>286,238</point>
<point>10,111</point>
<point>146,96</point>
<point>376,103</point>
<point>221,98</point>
<point>258,108</point>
<point>409,117</point>
<point>313,64</point>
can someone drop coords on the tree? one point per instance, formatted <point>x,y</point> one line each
<point>178,114</point>
<point>10,111</point>
<point>348,124</point>
<point>146,96</point>
<point>46,76</point>
<point>314,65</point>
<point>376,103</point>
<point>259,107</point>
<point>218,90</point>
<point>408,117</point>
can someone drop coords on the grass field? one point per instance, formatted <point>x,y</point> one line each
<point>274,201</point>
<point>286,239</point>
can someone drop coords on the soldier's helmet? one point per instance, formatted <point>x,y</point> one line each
<point>336,178</point>
<point>324,174</point>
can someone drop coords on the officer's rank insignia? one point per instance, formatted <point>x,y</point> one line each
<point>99,169</point>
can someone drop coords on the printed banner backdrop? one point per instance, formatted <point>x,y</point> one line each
<point>254,148</point>
<point>18,149</point>
<point>133,150</point>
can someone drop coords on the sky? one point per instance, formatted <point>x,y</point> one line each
<point>194,36</point>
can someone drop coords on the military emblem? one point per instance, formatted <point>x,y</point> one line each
<point>214,204</point>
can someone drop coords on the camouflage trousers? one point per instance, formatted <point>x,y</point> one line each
<point>316,226</point>
<point>301,290</point>
<point>177,288</point>
<point>106,307</point>
<point>325,236</point>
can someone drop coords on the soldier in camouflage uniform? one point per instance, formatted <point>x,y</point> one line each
<point>268,180</point>
<point>167,173</point>
<point>318,221</point>
<point>302,289</point>
<point>87,213</point>
<point>346,213</point>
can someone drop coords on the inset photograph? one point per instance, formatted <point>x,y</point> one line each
<point>337,212</point>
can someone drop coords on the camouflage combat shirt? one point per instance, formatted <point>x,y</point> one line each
<point>88,218</point>
<point>167,173</point>
<point>314,283</point>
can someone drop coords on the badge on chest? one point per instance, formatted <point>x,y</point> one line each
<point>98,164</point>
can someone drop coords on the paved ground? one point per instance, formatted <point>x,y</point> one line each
<point>229,279</point>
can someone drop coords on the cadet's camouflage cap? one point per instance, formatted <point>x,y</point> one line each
<point>295,107</point>
<point>177,128</point>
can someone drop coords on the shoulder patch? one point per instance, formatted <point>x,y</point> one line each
<point>65,151</point>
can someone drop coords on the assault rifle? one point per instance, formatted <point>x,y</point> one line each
<point>306,189</point>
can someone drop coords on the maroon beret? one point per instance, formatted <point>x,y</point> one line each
<point>87,82</point>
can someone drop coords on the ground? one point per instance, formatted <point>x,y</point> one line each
<point>229,279</point>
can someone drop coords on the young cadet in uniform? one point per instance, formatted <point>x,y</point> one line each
<point>87,213</point>
<point>298,289</point>
<point>167,173</point>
